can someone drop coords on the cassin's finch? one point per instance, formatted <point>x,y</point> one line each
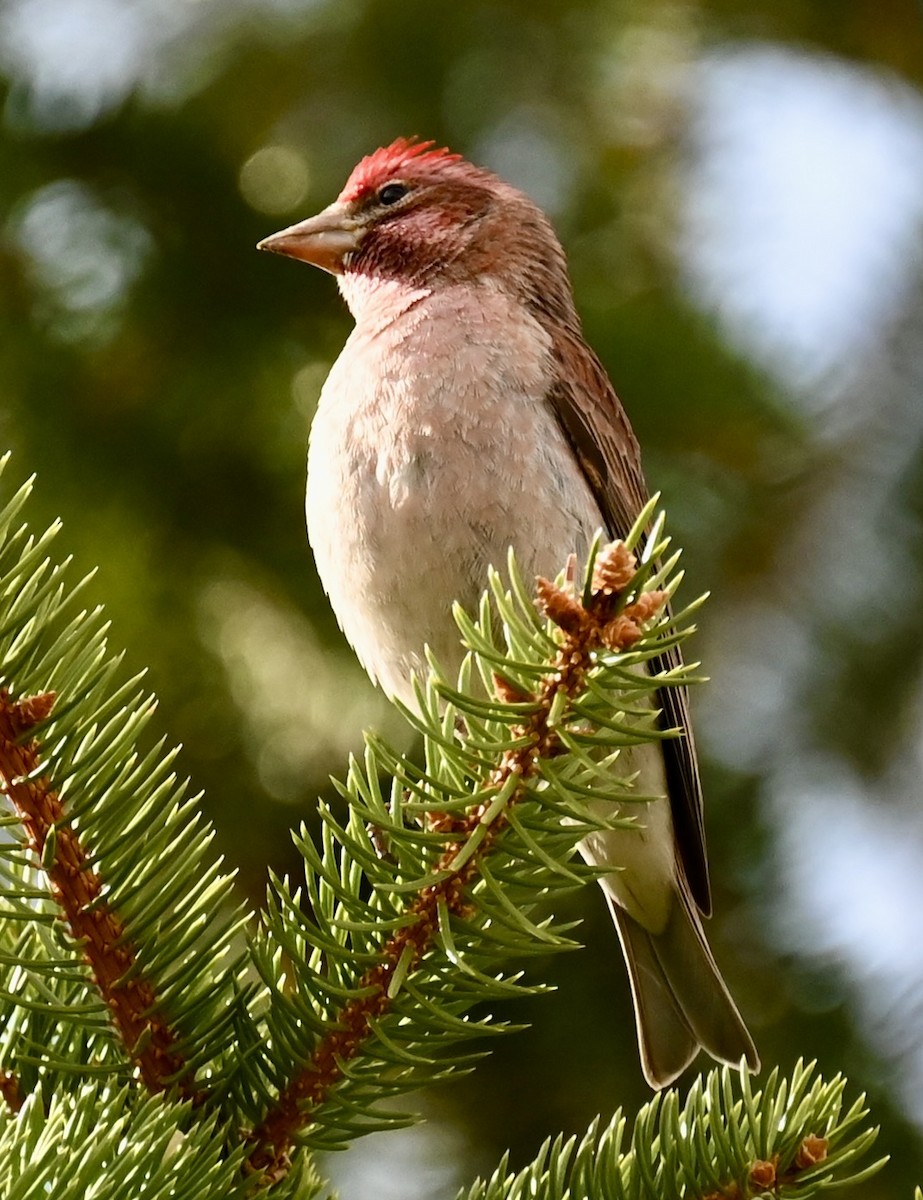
<point>467,414</point>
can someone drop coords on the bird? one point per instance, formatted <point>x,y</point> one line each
<point>466,414</point>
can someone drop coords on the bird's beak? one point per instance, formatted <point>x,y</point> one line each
<point>324,240</point>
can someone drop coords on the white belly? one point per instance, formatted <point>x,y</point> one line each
<point>418,482</point>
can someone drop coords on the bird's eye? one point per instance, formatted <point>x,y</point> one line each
<point>392,192</point>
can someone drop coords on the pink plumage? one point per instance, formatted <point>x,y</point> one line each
<point>375,169</point>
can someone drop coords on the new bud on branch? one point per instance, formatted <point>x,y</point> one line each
<point>466,415</point>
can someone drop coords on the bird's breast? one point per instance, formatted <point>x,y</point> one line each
<point>432,451</point>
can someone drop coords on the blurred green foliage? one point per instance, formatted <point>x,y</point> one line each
<point>160,376</point>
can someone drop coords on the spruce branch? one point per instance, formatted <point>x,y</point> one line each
<point>138,1056</point>
<point>78,890</point>
<point>502,750</point>
<point>114,924</point>
<point>106,1143</point>
<point>792,1138</point>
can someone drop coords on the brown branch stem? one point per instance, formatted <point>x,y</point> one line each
<point>9,1091</point>
<point>77,889</point>
<point>582,630</point>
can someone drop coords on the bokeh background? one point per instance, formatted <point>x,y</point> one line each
<point>739,186</point>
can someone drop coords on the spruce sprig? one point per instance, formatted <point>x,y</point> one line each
<point>147,1050</point>
<point>792,1138</point>
<point>392,949</point>
<point>117,921</point>
<point>97,1140</point>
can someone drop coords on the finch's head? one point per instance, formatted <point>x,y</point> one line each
<point>414,214</point>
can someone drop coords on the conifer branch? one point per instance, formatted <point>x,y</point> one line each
<point>793,1138</point>
<point>78,890</point>
<point>369,978</point>
<point>94,1140</point>
<point>603,621</point>
<point>115,920</point>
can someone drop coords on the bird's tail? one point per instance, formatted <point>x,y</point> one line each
<point>681,1002</point>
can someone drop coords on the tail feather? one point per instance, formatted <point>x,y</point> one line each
<point>681,1002</point>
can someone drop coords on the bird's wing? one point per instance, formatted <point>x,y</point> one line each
<point>595,425</point>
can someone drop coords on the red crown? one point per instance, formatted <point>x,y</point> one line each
<point>375,169</point>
